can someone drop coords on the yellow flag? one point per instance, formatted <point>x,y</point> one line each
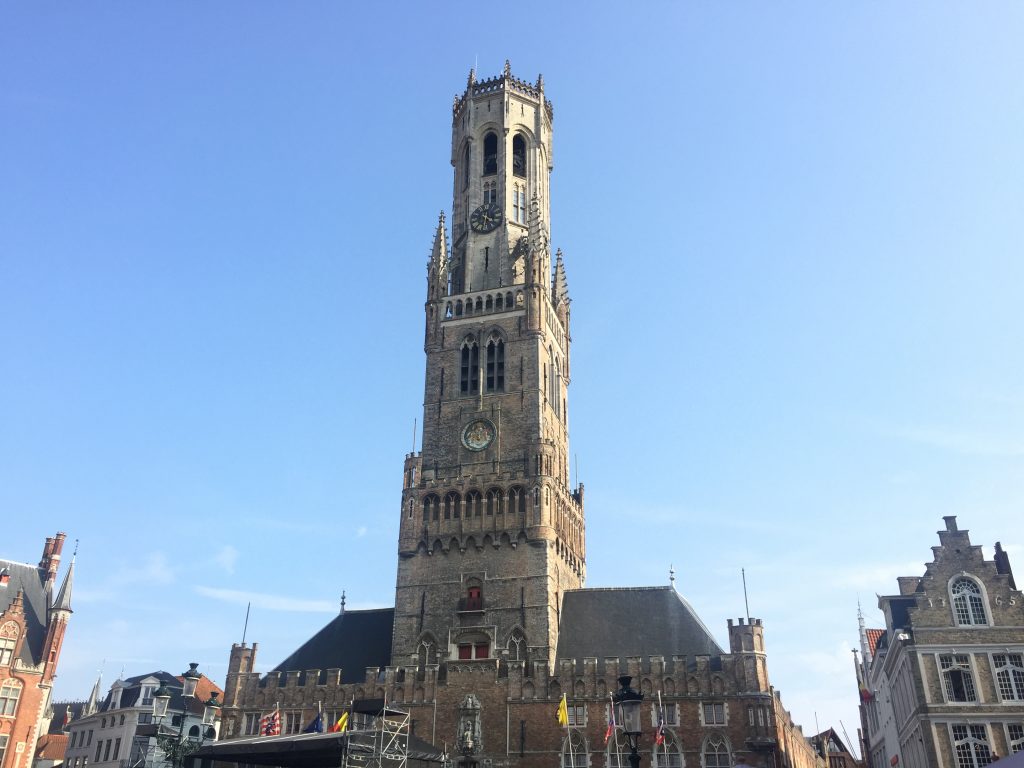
<point>563,712</point>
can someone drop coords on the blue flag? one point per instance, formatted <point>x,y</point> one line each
<point>317,726</point>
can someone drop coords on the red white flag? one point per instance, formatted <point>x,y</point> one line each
<point>270,725</point>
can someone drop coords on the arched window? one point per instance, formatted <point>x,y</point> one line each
<point>519,155</point>
<point>498,301</point>
<point>469,367</point>
<point>431,505</point>
<point>466,156</point>
<point>474,598</point>
<point>473,504</point>
<point>716,753</point>
<point>493,501</point>
<point>426,652</point>
<point>495,364</point>
<point>517,646</point>
<point>668,755</point>
<point>968,605</point>
<point>490,154</point>
<point>193,732</point>
<point>451,506</point>
<point>517,499</point>
<point>574,750</point>
<point>10,692</point>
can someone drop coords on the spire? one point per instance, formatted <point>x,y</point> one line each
<point>508,69</point>
<point>342,602</point>
<point>93,704</point>
<point>561,285</point>
<point>63,600</point>
<point>865,649</point>
<point>471,80</point>
<point>672,576</point>
<point>437,269</point>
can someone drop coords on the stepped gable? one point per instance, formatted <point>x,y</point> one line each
<point>351,641</point>
<point>30,582</point>
<point>603,622</point>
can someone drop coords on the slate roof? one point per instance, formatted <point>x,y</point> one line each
<point>32,581</point>
<point>59,709</point>
<point>351,641</point>
<point>631,621</point>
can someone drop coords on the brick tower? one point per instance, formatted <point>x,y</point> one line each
<point>491,534</point>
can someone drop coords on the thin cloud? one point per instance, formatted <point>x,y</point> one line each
<point>154,570</point>
<point>226,558</point>
<point>873,577</point>
<point>266,601</point>
<point>961,442</point>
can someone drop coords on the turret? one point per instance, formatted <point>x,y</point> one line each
<point>241,662</point>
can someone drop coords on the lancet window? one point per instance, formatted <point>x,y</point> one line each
<point>495,364</point>
<point>469,368</point>
<point>490,154</point>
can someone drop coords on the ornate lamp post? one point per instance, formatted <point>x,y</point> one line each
<point>177,746</point>
<point>627,713</point>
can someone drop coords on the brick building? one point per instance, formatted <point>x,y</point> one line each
<point>33,621</point>
<point>492,624</point>
<point>943,683</point>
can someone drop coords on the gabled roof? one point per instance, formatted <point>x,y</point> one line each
<point>351,641</point>
<point>874,635</point>
<point>31,581</point>
<point>631,621</point>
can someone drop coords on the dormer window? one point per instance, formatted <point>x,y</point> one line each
<point>519,155</point>
<point>490,154</point>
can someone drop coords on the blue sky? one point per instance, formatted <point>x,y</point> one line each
<point>793,234</point>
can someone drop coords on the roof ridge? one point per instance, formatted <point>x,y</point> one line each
<point>618,589</point>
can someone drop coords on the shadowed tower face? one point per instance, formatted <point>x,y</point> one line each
<point>491,534</point>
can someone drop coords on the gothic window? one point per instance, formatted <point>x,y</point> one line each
<point>517,499</point>
<point>451,506</point>
<point>495,364</point>
<point>493,501</point>
<point>716,753</point>
<point>957,679</point>
<point>469,367</point>
<point>426,653</point>
<point>490,192</point>
<point>465,166</point>
<point>968,606</point>
<point>519,155</point>
<point>668,755</point>
<point>431,506</point>
<point>458,308</point>
<point>519,204</point>
<point>490,154</point>
<point>489,301</point>
<point>574,750</point>
<point>473,504</point>
<point>10,691</point>
<point>1009,675</point>
<point>474,598</point>
<point>517,646</point>
<point>971,745</point>
<point>498,301</point>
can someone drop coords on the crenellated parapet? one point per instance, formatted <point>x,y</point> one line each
<point>505,82</point>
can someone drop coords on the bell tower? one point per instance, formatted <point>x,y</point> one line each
<point>491,533</point>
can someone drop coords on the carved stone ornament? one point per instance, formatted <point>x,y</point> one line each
<point>470,734</point>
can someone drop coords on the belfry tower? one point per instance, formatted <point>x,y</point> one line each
<point>491,534</point>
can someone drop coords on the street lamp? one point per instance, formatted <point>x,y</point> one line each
<point>627,704</point>
<point>177,746</point>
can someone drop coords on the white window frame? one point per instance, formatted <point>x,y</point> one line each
<point>1015,743</point>
<point>969,738</point>
<point>984,601</point>
<point>969,669</point>
<point>1016,682</point>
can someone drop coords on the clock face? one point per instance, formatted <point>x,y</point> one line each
<point>485,218</point>
<point>478,434</point>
